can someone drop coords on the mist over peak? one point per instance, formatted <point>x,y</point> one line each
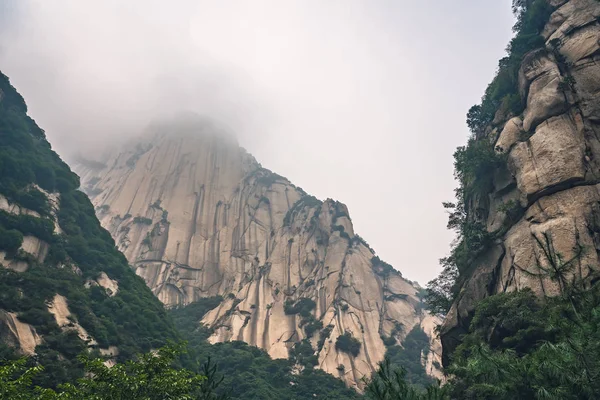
<point>348,99</point>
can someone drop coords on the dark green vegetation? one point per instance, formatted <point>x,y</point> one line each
<point>382,268</point>
<point>348,344</point>
<point>518,347</point>
<point>476,162</point>
<point>503,93</point>
<point>408,356</point>
<point>304,202</point>
<point>304,307</point>
<point>390,383</point>
<point>249,372</point>
<point>150,377</point>
<point>134,320</point>
<point>142,220</point>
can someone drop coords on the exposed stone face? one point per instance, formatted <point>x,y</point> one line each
<point>553,171</point>
<point>17,334</point>
<point>64,319</point>
<point>217,223</point>
<point>23,336</point>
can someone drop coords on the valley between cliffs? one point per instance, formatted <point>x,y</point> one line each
<point>197,216</point>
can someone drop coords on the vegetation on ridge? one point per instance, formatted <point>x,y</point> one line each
<point>476,163</point>
<point>133,319</point>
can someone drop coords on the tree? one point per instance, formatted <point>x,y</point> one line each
<point>390,384</point>
<point>151,377</point>
<point>208,386</point>
<point>348,344</point>
<point>16,382</point>
<point>440,291</point>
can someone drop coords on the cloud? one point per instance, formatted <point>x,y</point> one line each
<point>362,101</point>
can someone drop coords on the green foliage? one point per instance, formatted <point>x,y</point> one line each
<point>32,199</point>
<point>133,319</point>
<point>503,92</point>
<point>358,239</point>
<point>25,155</point>
<point>348,344</point>
<point>142,220</point>
<point>304,202</point>
<point>391,340</point>
<point>268,178</point>
<point>10,240</point>
<point>148,241</point>
<point>187,318</point>
<point>476,162</point>
<point>16,382</point>
<point>311,325</point>
<point>341,230</point>
<point>303,353</point>
<point>248,372</point>
<point>41,228</point>
<point>390,384</point>
<point>323,336</point>
<point>408,357</point>
<point>151,377</point>
<point>382,268</point>
<point>441,290</point>
<point>474,165</point>
<point>523,348</point>
<point>303,306</point>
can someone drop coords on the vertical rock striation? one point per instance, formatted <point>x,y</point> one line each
<point>197,216</point>
<point>551,179</point>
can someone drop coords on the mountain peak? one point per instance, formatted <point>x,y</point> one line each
<point>197,216</point>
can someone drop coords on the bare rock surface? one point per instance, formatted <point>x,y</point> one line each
<point>553,172</point>
<point>197,216</point>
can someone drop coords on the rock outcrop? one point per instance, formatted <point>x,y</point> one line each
<point>546,203</point>
<point>197,216</point>
<point>64,287</point>
<point>17,334</point>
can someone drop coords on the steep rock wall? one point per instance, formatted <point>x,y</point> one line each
<point>197,216</point>
<point>552,171</point>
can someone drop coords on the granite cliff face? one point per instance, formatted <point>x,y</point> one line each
<point>197,216</point>
<point>545,202</point>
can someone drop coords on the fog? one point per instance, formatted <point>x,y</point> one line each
<point>362,101</point>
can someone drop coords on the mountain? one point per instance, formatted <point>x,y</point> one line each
<point>197,216</point>
<point>528,213</point>
<point>66,290</point>
<point>64,286</point>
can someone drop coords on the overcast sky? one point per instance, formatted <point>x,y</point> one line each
<point>363,101</point>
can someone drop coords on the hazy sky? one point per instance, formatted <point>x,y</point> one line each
<point>362,101</point>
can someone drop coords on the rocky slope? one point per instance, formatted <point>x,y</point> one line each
<point>544,204</point>
<point>197,216</point>
<point>64,287</point>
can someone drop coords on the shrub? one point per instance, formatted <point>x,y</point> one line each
<point>142,220</point>
<point>348,344</point>
<point>303,307</point>
<point>10,240</point>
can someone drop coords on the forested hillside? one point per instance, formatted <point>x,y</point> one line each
<point>64,287</point>
<point>66,292</point>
